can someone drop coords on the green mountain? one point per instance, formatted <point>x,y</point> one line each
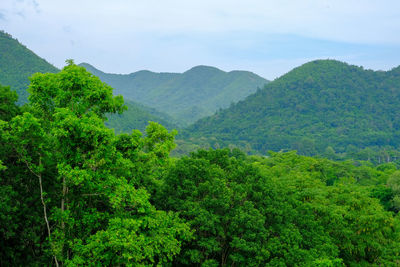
<point>319,104</point>
<point>17,63</point>
<point>188,96</point>
<point>137,117</point>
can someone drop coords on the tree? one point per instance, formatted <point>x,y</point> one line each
<point>212,191</point>
<point>394,184</point>
<point>8,108</point>
<point>85,177</point>
<point>338,221</point>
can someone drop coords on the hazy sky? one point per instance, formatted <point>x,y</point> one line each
<point>263,36</point>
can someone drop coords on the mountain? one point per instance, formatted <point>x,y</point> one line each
<point>187,96</point>
<point>137,117</point>
<point>319,104</point>
<point>17,63</point>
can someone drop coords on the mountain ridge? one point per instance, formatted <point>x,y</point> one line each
<point>187,96</point>
<point>18,63</point>
<point>137,116</point>
<point>321,103</point>
<point>197,67</point>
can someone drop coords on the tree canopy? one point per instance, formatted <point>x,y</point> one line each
<point>72,192</point>
<point>78,180</point>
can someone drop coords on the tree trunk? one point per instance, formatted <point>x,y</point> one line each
<point>45,209</point>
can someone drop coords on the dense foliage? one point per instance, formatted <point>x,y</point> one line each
<point>138,116</point>
<point>17,63</point>
<point>73,193</point>
<point>186,97</point>
<point>8,109</point>
<point>322,103</point>
<point>284,210</point>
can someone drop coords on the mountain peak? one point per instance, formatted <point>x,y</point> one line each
<point>187,96</point>
<point>203,69</point>
<point>86,65</point>
<point>327,101</point>
<point>326,64</point>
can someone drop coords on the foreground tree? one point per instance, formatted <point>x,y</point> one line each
<point>92,208</point>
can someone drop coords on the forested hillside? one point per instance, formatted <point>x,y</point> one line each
<point>321,104</point>
<point>17,63</point>
<point>74,193</point>
<point>186,97</point>
<point>138,117</point>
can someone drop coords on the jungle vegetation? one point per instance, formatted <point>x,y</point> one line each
<point>72,192</point>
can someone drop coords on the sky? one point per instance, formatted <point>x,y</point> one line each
<point>266,37</point>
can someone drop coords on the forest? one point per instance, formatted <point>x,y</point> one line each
<point>314,108</point>
<point>75,193</point>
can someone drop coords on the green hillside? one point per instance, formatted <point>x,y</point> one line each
<point>194,94</point>
<point>17,63</point>
<point>138,116</point>
<point>319,104</point>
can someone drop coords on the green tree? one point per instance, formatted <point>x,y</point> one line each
<point>212,191</point>
<point>394,184</point>
<point>8,108</point>
<point>92,208</point>
<point>338,221</point>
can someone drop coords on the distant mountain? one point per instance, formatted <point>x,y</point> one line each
<point>188,96</point>
<point>137,117</point>
<point>17,63</point>
<point>319,104</point>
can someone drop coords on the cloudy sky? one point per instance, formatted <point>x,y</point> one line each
<point>264,36</point>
